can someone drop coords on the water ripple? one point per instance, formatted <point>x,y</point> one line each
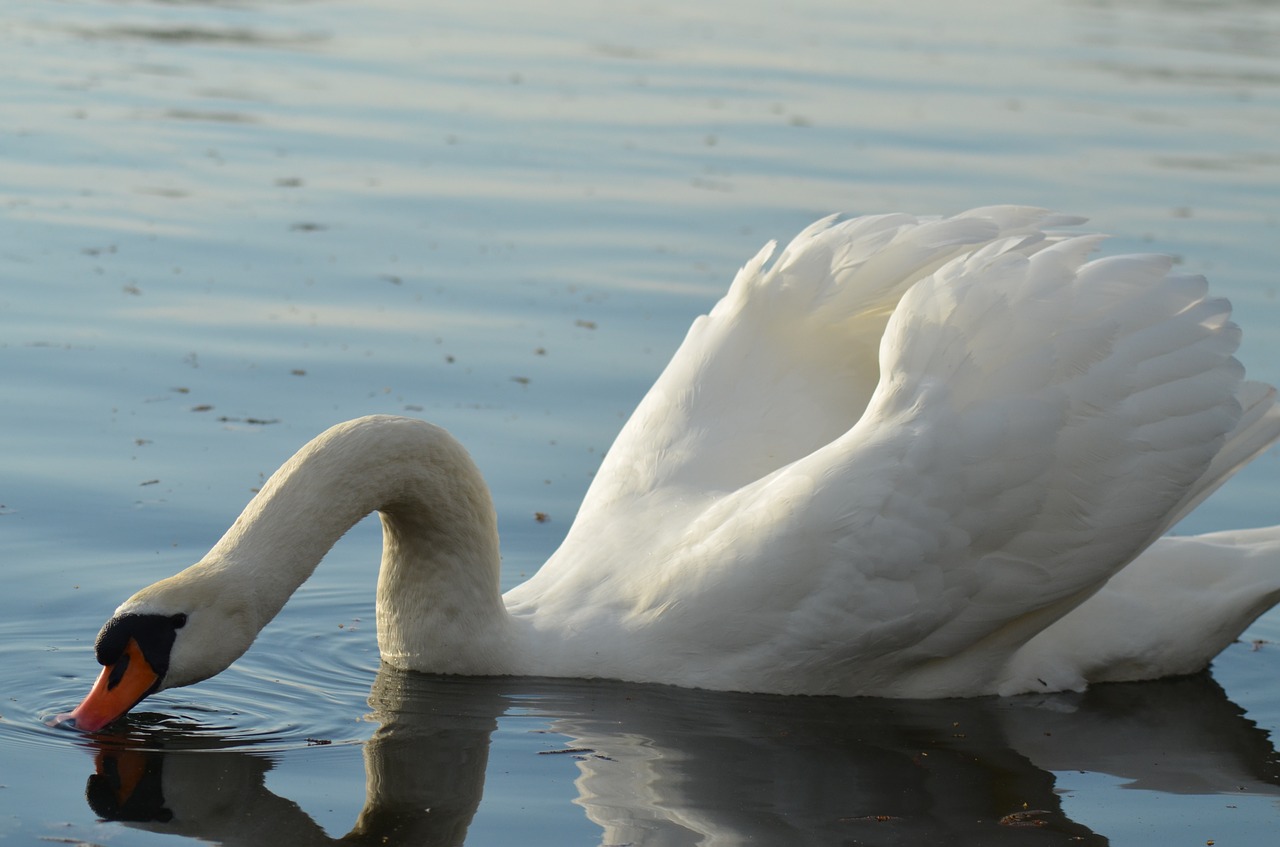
<point>304,683</point>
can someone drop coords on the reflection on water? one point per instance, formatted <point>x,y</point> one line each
<point>662,766</point>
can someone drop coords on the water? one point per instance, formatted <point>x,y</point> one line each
<point>228,225</point>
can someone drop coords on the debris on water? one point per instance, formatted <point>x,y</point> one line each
<point>1031,817</point>
<point>250,421</point>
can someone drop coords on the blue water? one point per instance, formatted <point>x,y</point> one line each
<point>227,226</point>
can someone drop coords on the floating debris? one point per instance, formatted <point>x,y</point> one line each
<point>251,421</point>
<point>1031,817</point>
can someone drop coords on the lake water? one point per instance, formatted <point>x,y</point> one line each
<point>228,225</point>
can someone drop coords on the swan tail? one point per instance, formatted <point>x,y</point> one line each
<point>1182,600</point>
<point>1169,612</point>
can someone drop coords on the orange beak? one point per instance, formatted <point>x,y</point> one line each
<point>119,688</point>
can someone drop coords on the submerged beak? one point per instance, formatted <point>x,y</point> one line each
<point>119,688</point>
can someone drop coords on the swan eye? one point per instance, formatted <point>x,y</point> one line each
<point>178,620</point>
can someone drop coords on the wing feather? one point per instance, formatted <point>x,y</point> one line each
<point>1027,467</point>
<point>787,360</point>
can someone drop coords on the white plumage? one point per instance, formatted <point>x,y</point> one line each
<point>814,520</point>
<point>907,459</point>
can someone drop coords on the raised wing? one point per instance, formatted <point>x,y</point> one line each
<point>786,513</point>
<point>1037,422</point>
<point>787,360</point>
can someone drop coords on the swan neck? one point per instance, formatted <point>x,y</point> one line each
<point>440,541</point>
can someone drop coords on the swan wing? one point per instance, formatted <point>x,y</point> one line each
<point>787,360</point>
<point>1257,429</point>
<point>782,365</point>
<point>1038,421</point>
<point>789,512</point>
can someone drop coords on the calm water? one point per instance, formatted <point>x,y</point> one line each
<point>227,225</point>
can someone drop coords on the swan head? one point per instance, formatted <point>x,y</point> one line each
<point>176,632</point>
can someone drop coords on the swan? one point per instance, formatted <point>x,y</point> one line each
<point>911,457</point>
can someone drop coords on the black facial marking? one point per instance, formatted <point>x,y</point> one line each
<point>154,634</point>
<point>118,671</point>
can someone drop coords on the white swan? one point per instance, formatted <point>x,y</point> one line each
<point>905,460</point>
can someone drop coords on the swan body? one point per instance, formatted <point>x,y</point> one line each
<point>911,458</point>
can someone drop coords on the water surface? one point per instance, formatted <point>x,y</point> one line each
<point>228,225</point>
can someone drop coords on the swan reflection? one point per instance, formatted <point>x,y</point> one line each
<point>666,766</point>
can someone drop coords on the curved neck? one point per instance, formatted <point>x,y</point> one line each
<point>439,605</point>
